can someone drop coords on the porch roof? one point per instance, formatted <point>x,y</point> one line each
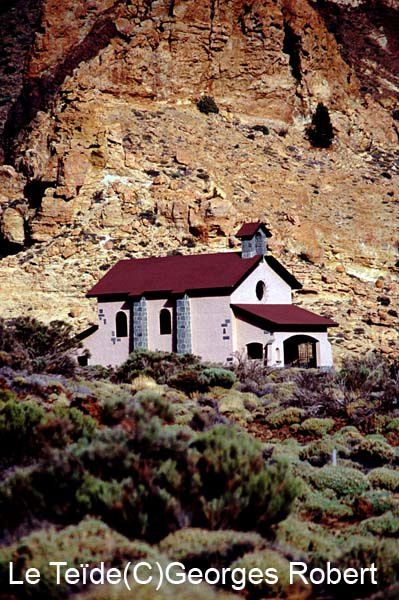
<point>285,314</point>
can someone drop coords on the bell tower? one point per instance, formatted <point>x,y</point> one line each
<point>253,238</point>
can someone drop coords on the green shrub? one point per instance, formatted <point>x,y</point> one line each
<point>320,132</point>
<point>269,559</point>
<point>343,481</point>
<point>27,344</point>
<point>202,548</point>
<point>207,105</point>
<point>189,381</point>
<point>319,452</point>
<point>387,479</point>
<point>380,501</point>
<point>311,540</point>
<point>161,366</point>
<point>89,542</point>
<point>359,552</point>
<point>287,416</point>
<point>316,426</point>
<point>393,426</point>
<point>218,377</point>
<point>383,525</point>
<point>18,435</point>
<point>371,452</point>
<point>319,506</point>
<point>239,489</point>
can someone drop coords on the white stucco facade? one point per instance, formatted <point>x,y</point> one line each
<point>104,346</point>
<point>277,290</point>
<point>215,322</point>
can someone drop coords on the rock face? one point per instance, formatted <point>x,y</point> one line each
<point>108,155</point>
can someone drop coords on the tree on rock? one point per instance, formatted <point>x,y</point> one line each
<point>320,132</point>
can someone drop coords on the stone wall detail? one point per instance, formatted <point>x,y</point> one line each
<point>140,324</point>
<point>256,245</point>
<point>183,325</point>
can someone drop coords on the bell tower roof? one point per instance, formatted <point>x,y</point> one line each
<point>248,230</point>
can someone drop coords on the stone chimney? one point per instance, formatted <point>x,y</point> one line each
<point>253,238</point>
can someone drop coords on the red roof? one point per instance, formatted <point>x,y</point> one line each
<point>249,229</point>
<point>285,314</point>
<point>175,274</point>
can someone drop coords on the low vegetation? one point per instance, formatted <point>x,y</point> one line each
<point>166,458</point>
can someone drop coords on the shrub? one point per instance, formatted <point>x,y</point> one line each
<point>319,452</point>
<point>161,366</point>
<point>315,426</point>
<point>239,490</point>
<point>319,506</point>
<point>18,436</point>
<point>207,105</point>
<point>218,377</point>
<point>287,416</point>
<point>310,539</point>
<point>189,381</point>
<point>202,548</point>
<point>344,481</point>
<point>371,452</point>
<point>270,559</point>
<point>387,479</point>
<point>393,425</point>
<point>380,501</point>
<point>358,552</point>
<point>89,542</point>
<point>320,133</point>
<point>383,525</point>
<point>25,343</point>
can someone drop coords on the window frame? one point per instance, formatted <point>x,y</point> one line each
<point>165,328</point>
<point>124,332</point>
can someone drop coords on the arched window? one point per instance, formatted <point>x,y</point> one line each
<point>255,350</point>
<point>260,290</point>
<point>165,322</point>
<point>121,324</point>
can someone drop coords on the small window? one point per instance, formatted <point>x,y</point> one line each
<point>260,290</point>
<point>165,322</point>
<point>83,360</point>
<point>255,351</point>
<point>121,324</point>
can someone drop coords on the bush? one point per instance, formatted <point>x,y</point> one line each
<point>287,416</point>
<point>371,452</point>
<point>203,549</point>
<point>25,343</point>
<point>161,366</point>
<point>383,525</point>
<point>320,133</point>
<point>319,452</point>
<point>270,559</point>
<point>18,435</point>
<point>239,490</point>
<point>207,105</point>
<point>218,377</point>
<point>319,506</point>
<point>315,426</point>
<point>344,481</point>
<point>387,479</point>
<point>89,542</point>
<point>310,539</point>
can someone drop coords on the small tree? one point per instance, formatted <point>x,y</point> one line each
<point>320,132</point>
<point>26,343</point>
<point>207,105</point>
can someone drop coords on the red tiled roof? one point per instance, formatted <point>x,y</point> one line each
<point>249,229</point>
<point>284,314</point>
<point>176,274</point>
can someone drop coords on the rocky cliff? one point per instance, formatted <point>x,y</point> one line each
<point>105,154</point>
